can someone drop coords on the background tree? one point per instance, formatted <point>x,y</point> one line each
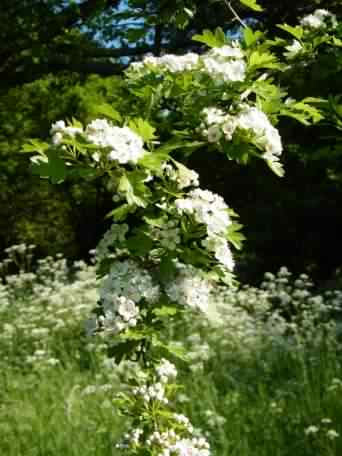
<point>63,58</point>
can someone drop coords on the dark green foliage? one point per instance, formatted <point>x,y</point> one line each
<point>67,221</point>
<point>295,220</point>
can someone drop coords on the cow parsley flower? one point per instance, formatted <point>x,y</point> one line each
<point>332,434</point>
<point>310,430</point>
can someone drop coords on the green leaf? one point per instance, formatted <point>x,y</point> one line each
<point>122,350</point>
<point>139,244</point>
<point>252,4</point>
<point>121,212</point>
<point>165,311</point>
<point>153,161</point>
<point>132,186</point>
<point>177,351</point>
<point>234,235</point>
<point>171,348</point>
<point>251,37</point>
<point>337,41</point>
<point>260,59</point>
<point>142,128</point>
<point>180,144</point>
<point>35,145</point>
<point>217,39</point>
<point>134,34</point>
<point>158,221</point>
<point>54,168</point>
<point>108,111</point>
<point>167,268</point>
<point>276,167</point>
<point>297,31</point>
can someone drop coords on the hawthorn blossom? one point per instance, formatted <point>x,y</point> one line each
<point>123,144</point>
<point>207,208</point>
<point>320,18</point>
<point>126,285</point>
<point>59,130</point>
<point>190,289</point>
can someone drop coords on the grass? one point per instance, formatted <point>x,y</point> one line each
<point>259,383</point>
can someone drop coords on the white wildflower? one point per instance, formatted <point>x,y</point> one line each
<point>332,434</point>
<point>311,430</point>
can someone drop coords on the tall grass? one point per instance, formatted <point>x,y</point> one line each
<point>264,378</point>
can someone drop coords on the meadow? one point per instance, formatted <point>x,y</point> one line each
<point>264,377</point>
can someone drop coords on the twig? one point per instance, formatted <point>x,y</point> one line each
<point>237,17</point>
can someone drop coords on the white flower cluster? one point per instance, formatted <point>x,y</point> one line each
<point>293,49</point>
<point>169,443</point>
<point>125,145</point>
<point>59,130</point>
<point>320,18</point>
<point>225,63</point>
<point>116,234</point>
<point>125,286</point>
<point>190,288</point>
<point>219,246</point>
<point>43,308</point>
<point>174,445</point>
<point>173,63</point>
<point>253,119</point>
<point>183,176</point>
<point>217,124</point>
<point>209,209</point>
<point>169,235</point>
<point>183,421</point>
<point>154,392</point>
<point>166,371</point>
<point>124,314</point>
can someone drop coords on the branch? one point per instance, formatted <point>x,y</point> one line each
<point>235,14</point>
<point>58,64</point>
